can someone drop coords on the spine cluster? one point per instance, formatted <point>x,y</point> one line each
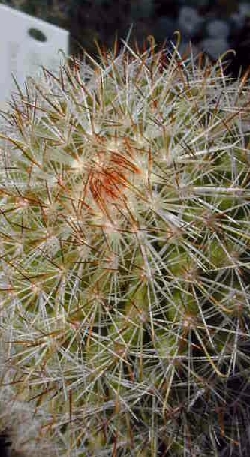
<point>124,255</point>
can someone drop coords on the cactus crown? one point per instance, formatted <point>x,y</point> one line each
<point>124,241</point>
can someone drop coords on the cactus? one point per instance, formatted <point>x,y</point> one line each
<point>21,427</point>
<point>124,241</point>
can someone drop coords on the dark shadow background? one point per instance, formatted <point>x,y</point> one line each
<point>213,26</point>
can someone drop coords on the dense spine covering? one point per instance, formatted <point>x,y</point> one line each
<point>124,241</point>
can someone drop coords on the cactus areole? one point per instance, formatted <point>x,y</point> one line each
<point>124,242</point>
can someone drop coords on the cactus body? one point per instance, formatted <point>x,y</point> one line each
<point>124,241</point>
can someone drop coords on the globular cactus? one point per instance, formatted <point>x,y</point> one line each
<point>124,242</point>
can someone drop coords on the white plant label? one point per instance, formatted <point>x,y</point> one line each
<point>26,44</point>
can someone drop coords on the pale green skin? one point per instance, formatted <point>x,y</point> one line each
<point>124,239</point>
